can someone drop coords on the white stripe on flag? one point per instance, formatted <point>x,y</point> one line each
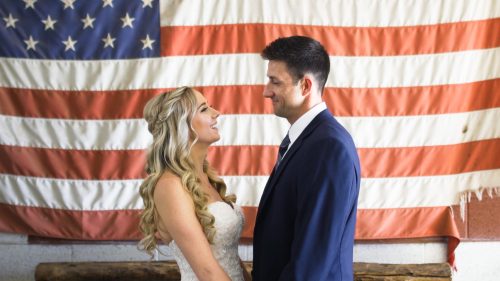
<point>246,69</point>
<point>74,134</point>
<point>326,13</point>
<point>248,189</point>
<point>70,194</point>
<point>424,191</point>
<point>266,129</point>
<point>404,192</point>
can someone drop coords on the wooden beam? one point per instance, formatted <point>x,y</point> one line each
<point>423,270</point>
<point>110,271</point>
<point>168,271</point>
<point>402,272</point>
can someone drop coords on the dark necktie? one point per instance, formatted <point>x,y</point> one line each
<point>283,147</point>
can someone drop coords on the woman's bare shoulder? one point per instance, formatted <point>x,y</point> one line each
<point>169,189</point>
<point>173,204</point>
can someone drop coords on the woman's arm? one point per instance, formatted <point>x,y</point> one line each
<point>177,213</point>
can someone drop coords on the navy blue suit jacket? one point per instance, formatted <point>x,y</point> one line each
<point>307,214</point>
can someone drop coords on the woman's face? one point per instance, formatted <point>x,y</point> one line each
<point>204,121</point>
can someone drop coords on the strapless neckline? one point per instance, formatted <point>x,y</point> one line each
<point>228,225</point>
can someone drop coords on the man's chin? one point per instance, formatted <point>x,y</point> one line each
<point>279,113</point>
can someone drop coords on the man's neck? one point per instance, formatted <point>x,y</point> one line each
<point>304,120</point>
<point>306,106</point>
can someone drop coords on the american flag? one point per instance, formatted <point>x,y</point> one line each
<point>417,84</point>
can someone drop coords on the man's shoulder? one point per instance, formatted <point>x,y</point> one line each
<point>330,129</point>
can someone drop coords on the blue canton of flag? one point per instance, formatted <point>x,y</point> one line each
<point>79,29</point>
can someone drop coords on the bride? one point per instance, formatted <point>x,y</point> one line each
<point>185,202</point>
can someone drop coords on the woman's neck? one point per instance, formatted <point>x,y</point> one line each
<point>198,156</point>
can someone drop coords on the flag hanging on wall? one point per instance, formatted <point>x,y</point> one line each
<point>417,84</point>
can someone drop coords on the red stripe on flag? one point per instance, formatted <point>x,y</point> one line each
<point>74,104</point>
<point>422,100</point>
<point>422,161</point>
<point>85,225</point>
<point>397,222</point>
<point>72,164</point>
<point>69,224</point>
<point>243,159</point>
<point>375,162</point>
<point>248,161</point>
<point>408,222</point>
<point>123,224</point>
<point>248,99</point>
<point>338,41</point>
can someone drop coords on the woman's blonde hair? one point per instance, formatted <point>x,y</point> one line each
<point>169,116</point>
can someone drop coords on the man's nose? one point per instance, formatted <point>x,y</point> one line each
<point>267,92</point>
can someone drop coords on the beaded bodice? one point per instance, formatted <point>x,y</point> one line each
<point>228,224</point>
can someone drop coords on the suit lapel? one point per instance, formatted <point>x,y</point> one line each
<point>273,178</point>
<point>276,173</point>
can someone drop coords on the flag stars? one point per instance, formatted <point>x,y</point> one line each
<point>68,4</point>
<point>49,23</point>
<point>107,3</point>
<point>10,21</point>
<point>30,44</point>
<point>147,42</point>
<point>88,22</point>
<point>127,21</point>
<point>147,3</point>
<point>109,41</point>
<point>70,44</point>
<point>29,4</point>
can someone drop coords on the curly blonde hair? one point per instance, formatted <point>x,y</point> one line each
<point>169,117</point>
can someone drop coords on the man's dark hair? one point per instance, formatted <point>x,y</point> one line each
<point>301,55</point>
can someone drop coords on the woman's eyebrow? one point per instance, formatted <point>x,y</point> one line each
<point>204,103</point>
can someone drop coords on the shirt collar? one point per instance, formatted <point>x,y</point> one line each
<point>298,127</point>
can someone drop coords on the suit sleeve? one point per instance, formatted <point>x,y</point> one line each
<point>327,192</point>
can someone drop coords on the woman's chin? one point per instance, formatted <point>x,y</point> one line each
<point>214,139</point>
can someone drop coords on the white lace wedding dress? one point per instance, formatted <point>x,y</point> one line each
<point>228,224</point>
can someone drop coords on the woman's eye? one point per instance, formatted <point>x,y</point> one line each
<point>203,109</point>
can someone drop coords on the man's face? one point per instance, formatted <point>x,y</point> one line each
<point>282,91</point>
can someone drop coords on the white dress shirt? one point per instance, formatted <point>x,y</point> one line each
<point>298,127</point>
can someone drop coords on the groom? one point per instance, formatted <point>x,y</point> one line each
<point>307,214</point>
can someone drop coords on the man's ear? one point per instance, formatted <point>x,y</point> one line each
<point>306,85</point>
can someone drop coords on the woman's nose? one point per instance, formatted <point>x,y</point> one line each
<point>215,113</point>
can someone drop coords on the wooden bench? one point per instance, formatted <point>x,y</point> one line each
<point>168,271</point>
